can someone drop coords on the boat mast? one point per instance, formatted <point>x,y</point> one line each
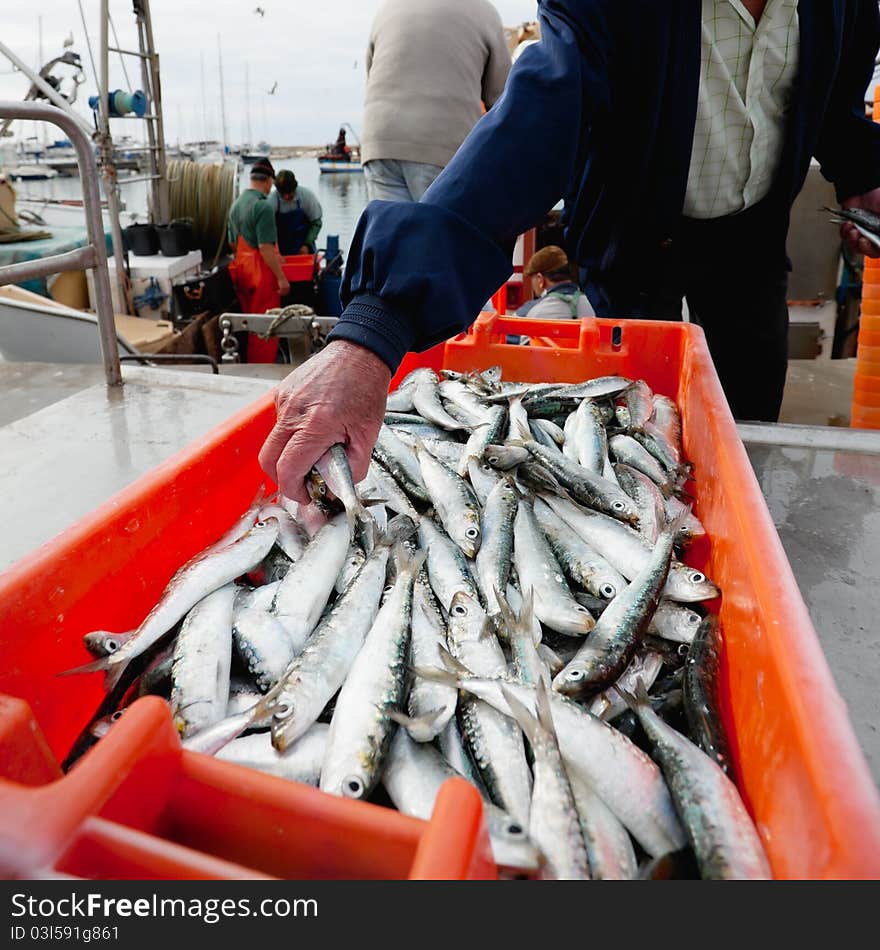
<point>222,94</point>
<point>247,105</point>
<point>108,167</point>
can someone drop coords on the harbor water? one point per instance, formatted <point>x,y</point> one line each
<point>342,197</point>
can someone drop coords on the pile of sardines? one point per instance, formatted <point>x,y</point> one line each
<point>504,598</point>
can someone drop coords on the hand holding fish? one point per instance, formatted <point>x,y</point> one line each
<point>870,201</point>
<point>337,396</point>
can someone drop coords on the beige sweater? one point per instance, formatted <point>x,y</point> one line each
<point>429,64</point>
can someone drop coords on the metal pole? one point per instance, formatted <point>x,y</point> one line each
<point>247,105</point>
<point>41,112</point>
<point>108,168</point>
<point>150,64</point>
<point>222,94</point>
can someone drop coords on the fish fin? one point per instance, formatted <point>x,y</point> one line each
<point>97,666</point>
<point>400,528</point>
<point>451,663</point>
<point>426,720</point>
<point>527,615</point>
<point>435,675</point>
<point>637,699</point>
<point>524,719</point>
<point>508,617</point>
<point>408,563</point>
<point>545,715</point>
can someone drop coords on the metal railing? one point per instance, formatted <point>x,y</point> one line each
<point>94,254</point>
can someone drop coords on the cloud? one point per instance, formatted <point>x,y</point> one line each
<point>309,48</point>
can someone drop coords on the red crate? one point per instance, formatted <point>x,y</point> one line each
<point>138,806</point>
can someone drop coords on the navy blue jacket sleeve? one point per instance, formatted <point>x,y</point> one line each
<point>419,273</point>
<point>848,149</point>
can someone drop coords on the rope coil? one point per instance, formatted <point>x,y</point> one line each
<point>204,194</point>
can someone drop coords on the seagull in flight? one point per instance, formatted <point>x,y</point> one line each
<point>69,41</point>
<point>260,10</point>
<point>274,87</point>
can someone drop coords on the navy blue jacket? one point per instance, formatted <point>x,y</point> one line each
<point>601,113</point>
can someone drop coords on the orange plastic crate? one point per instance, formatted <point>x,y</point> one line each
<point>138,806</point>
<point>299,267</point>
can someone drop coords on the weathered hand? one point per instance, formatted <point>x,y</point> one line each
<point>870,201</point>
<point>336,396</point>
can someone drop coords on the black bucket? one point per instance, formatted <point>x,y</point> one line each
<point>175,239</point>
<point>142,239</point>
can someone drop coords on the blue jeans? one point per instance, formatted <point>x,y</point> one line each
<point>390,180</point>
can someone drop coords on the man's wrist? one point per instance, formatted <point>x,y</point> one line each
<point>372,323</point>
<point>360,355</point>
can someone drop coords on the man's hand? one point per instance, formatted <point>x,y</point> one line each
<point>336,396</point>
<point>870,201</point>
<point>283,286</point>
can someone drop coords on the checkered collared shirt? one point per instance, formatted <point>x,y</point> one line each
<point>747,75</point>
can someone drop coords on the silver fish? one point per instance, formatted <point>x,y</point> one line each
<point>300,763</point>
<point>193,582</point>
<point>624,776</point>
<point>496,548</point>
<point>413,776</point>
<point>454,501</point>
<point>554,823</point>
<point>362,727</point>
<point>581,563</point>
<point>318,672</point>
<point>426,400</point>
<point>202,662</point>
<point>448,569</point>
<point>719,828</point>
<point>539,570</point>
<point>620,629</point>
<point>306,588</point>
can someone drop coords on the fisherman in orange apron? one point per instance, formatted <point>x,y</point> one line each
<point>256,272</point>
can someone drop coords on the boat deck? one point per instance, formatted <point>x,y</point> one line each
<point>68,444</point>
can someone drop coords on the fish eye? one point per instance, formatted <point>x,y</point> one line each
<point>697,577</point>
<point>514,829</point>
<point>472,534</point>
<point>693,618</point>
<point>353,787</point>
<point>390,587</point>
<point>260,524</point>
<point>459,610</point>
<point>116,715</point>
<point>111,646</point>
<point>581,609</point>
<point>607,590</point>
<point>618,506</point>
<point>493,460</point>
<point>575,676</point>
<point>682,649</point>
<point>283,711</point>
<point>486,468</point>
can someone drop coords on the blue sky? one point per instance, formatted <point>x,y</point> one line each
<point>313,50</point>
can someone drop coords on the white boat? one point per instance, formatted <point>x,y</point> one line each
<point>31,172</point>
<point>36,331</point>
<point>332,165</point>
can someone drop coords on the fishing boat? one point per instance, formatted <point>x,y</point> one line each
<point>32,172</point>
<point>332,163</point>
<point>340,157</point>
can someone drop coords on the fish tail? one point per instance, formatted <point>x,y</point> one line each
<point>524,719</point>
<point>425,721</point>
